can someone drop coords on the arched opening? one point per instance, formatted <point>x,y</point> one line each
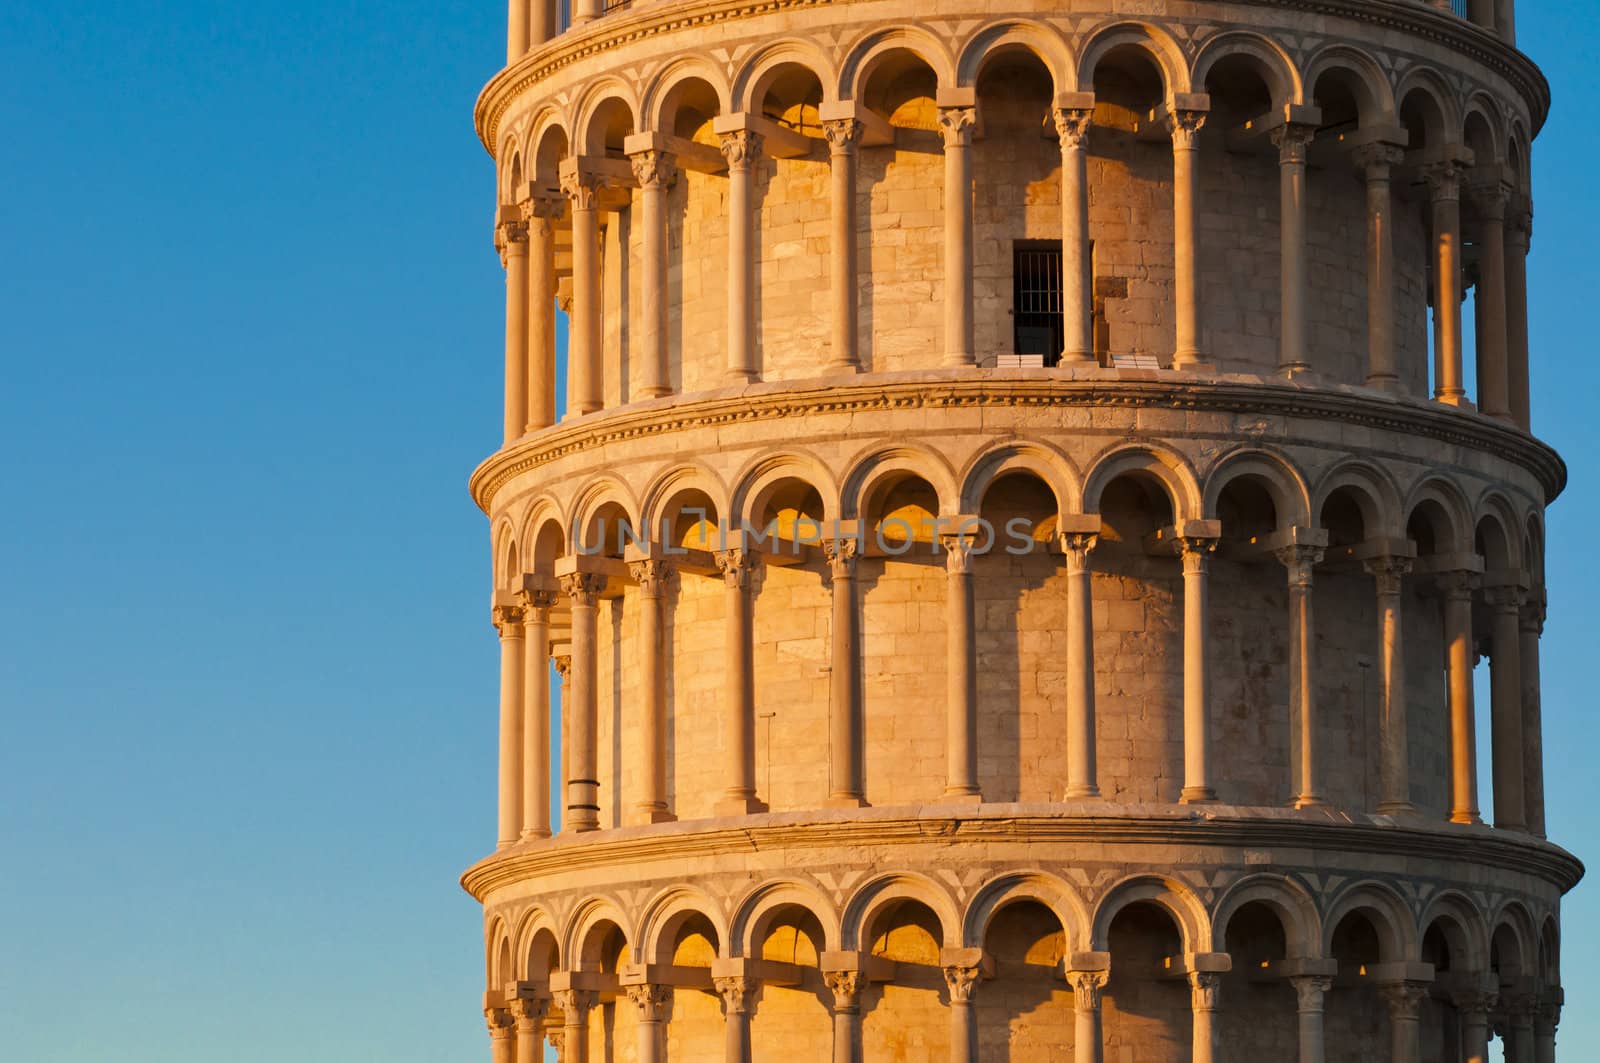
<point>1258,1002</point>
<point>1146,1008</point>
<point>1444,945</point>
<point>1356,1022</point>
<point>696,244</point>
<point>604,949</point>
<point>908,934</point>
<point>794,1020</point>
<point>1434,532</point>
<point>1422,117</point>
<point>692,1023</point>
<point>1026,1011</point>
<point>1349,669</point>
<point>1019,632</point>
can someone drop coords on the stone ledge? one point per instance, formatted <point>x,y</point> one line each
<point>1097,823</point>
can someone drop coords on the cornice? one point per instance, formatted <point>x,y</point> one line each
<point>620,28</point>
<point>986,388</point>
<point>877,830</point>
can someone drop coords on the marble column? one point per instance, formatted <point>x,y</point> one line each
<point>957,124</point>
<point>1292,141</point>
<point>742,148</point>
<point>961,982</point>
<point>580,714</point>
<point>652,577</point>
<point>1300,561</point>
<point>529,1014</point>
<point>1077,280</point>
<point>584,347</point>
<point>508,619</point>
<point>575,1005</point>
<point>845,987</point>
<point>1185,126</point>
<point>1533,616</point>
<point>961,675</point>
<point>1520,1011</point>
<point>1505,710</point>
<point>739,693</point>
<point>655,172</point>
<point>511,239</point>
<point>541,25</point>
<point>1405,1036</point>
<point>1310,995</point>
<point>652,1002</point>
<point>1456,589</point>
<point>1205,989</point>
<point>1088,1044</point>
<point>536,713</point>
<point>587,11</point>
<point>541,407</point>
<point>1377,161</point>
<point>1197,782</point>
<point>1394,764</point>
<point>844,138</point>
<point>846,786</point>
<point>737,993</point>
<point>1444,183</point>
<point>1545,1022</point>
<point>1474,1007</point>
<point>1493,368</point>
<point>502,1035</point>
<point>1519,234</point>
<point>1082,778</point>
<point>517,31</point>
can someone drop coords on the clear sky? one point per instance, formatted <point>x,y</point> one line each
<point>250,333</point>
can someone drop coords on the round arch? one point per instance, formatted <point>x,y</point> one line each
<point>755,483</point>
<point>756,77</point>
<point>1276,67</point>
<point>1283,482</point>
<point>579,943</point>
<point>1374,491</point>
<point>1287,898</point>
<point>1472,937</point>
<point>665,915</point>
<point>1016,886</point>
<point>865,55</point>
<point>1040,40</point>
<point>1177,899</point>
<point>876,895</point>
<point>664,94</point>
<point>1163,51</point>
<point>870,471</point>
<point>756,910</point>
<point>1391,918</point>
<point>1376,98</point>
<point>1167,466</point>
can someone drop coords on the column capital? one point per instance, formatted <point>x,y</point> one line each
<point>843,134</point>
<point>654,169</point>
<point>1078,544</point>
<point>1184,125</point>
<point>529,1013</point>
<point>736,565</point>
<point>957,554</point>
<point>741,147</point>
<point>1519,227</point>
<point>501,1025</point>
<point>1458,584</point>
<point>510,238</point>
<point>1292,139</point>
<point>583,587</point>
<point>736,991</point>
<point>1548,1015</point>
<point>1534,612</point>
<point>1404,998</point>
<point>1491,196</point>
<point>957,124</point>
<point>534,597</point>
<point>1087,987</point>
<point>1309,989</point>
<point>961,981</point>
<point>581,188</point>
<point>1205,989</point>
<point>650,999</point>
<point>652,575</point>
<point>1196,552</point>
<point>1389,572</point>
<point>1505,598</point>
<point>1444,179</point>
<point>575,1003</point>
<point>1300,559</point>
<point>842,554</point>
<point>845,987</point>
<point>507,619</point>
<point>1073,125</point>
<point>1475,1002</point>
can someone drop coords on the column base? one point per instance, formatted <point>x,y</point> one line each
<point>1077,360</point>
<point>535,835</point>
<point>1075,793</point>
<point>739,806</point>
<point>845,801</point>
<point>1198,795</point>
<point>1384,382</point>
<point>962,796</point>
<point>1298,371</point>
<point>1466,819</point>
<point>1397,808</point>
<point>1460,402</point>
<point>842,367</point>
<point>644,816</point>
<point>583,826</point>
<point>1196,366</point>
<point>654,393</point>
<point>959,361</point>
<point>740,377</point>
<point>1309,801</point>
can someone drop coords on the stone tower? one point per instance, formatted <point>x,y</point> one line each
<point>1015,534</point>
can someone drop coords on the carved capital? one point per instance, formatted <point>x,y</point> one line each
<point>651,1000</point>
<point>1205,990</point>
<point>500,1023</point>
<point>1078,546</point>
<point>1300,560</point>
<point>1196,553</point>
<point>736,991</point>
<point>957,554</point>
<point>841,555</point>
<point>1505,598</point>
<point>741,148</point>
<point>507,620</point>
<point>844,134</point>
<point>575,1004</point>
<point>529,1013</point>
<point>581,190</point>
<point>535,601</point>
<point>654,169</point>
<point>1534,612</point>
<point>1547,1018</point>
<point>1519,222</point>
<point>1457,585</point>
<point>1389,572</point>
<point>844,985</point>
<point>1292,139</point>
<point>1185,128</point>
<point>957,124</point>
<point>1444,180</point>
<point>1378,159</point>
<point>1475,1003</point>
<point>1404,999</point>
<point>652,576</point>
<point>1490,197</point>
<point>1087,988</point>
<point>1309,990</point>
<point>510,238</point>
<point>1072,126</point>
<point>583,587</point>
<point>961,981</point>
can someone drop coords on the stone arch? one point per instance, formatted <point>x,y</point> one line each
<point>545,533</point>
<point>1372,488</point>
<point>1288,899</point>
<point>1426,105</point>
<point>867,54</point>
<point>667,913</point>
<point>608,101</point>
<point>1375,98</point>
<point>1014,886</point>
<point>1550,952</point>
<point>755,483</point>
<point>538,949</point>
<point>1384,908</point>
<point>871,472</point>
<point>1042,41</point>
<point>507,557</point>
<point>588,503</point>
<point>1513,917</point>
<point>1517,156</point>
<point>876,895</point>
<point>1282,480</point>
<point>1172,896</point>
<point>1467,934</point>
<point>1495,515</point>
<point>670,484</point>
<point>499,959</point>
<point>756,910</point>
<point>1274,64</point>
<point>511,171</point>
<point>664,95</point>
<point>1163,51</point>
<point>548,143</point>
<point>1167,466</point>
<point>1533,547</point>
<point>583,939</point>
<point>1443,506</point>
<point>755,79</point>
<point>1483,130</point>
<point>1047,463</point>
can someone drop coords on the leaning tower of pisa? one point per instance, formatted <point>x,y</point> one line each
<point>1013,532</point>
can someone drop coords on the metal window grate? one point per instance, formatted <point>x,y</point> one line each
<point>1036,302</point>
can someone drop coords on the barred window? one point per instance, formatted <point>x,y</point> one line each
<point>1036,302</point>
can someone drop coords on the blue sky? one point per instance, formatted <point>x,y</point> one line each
<point>250,328</point>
